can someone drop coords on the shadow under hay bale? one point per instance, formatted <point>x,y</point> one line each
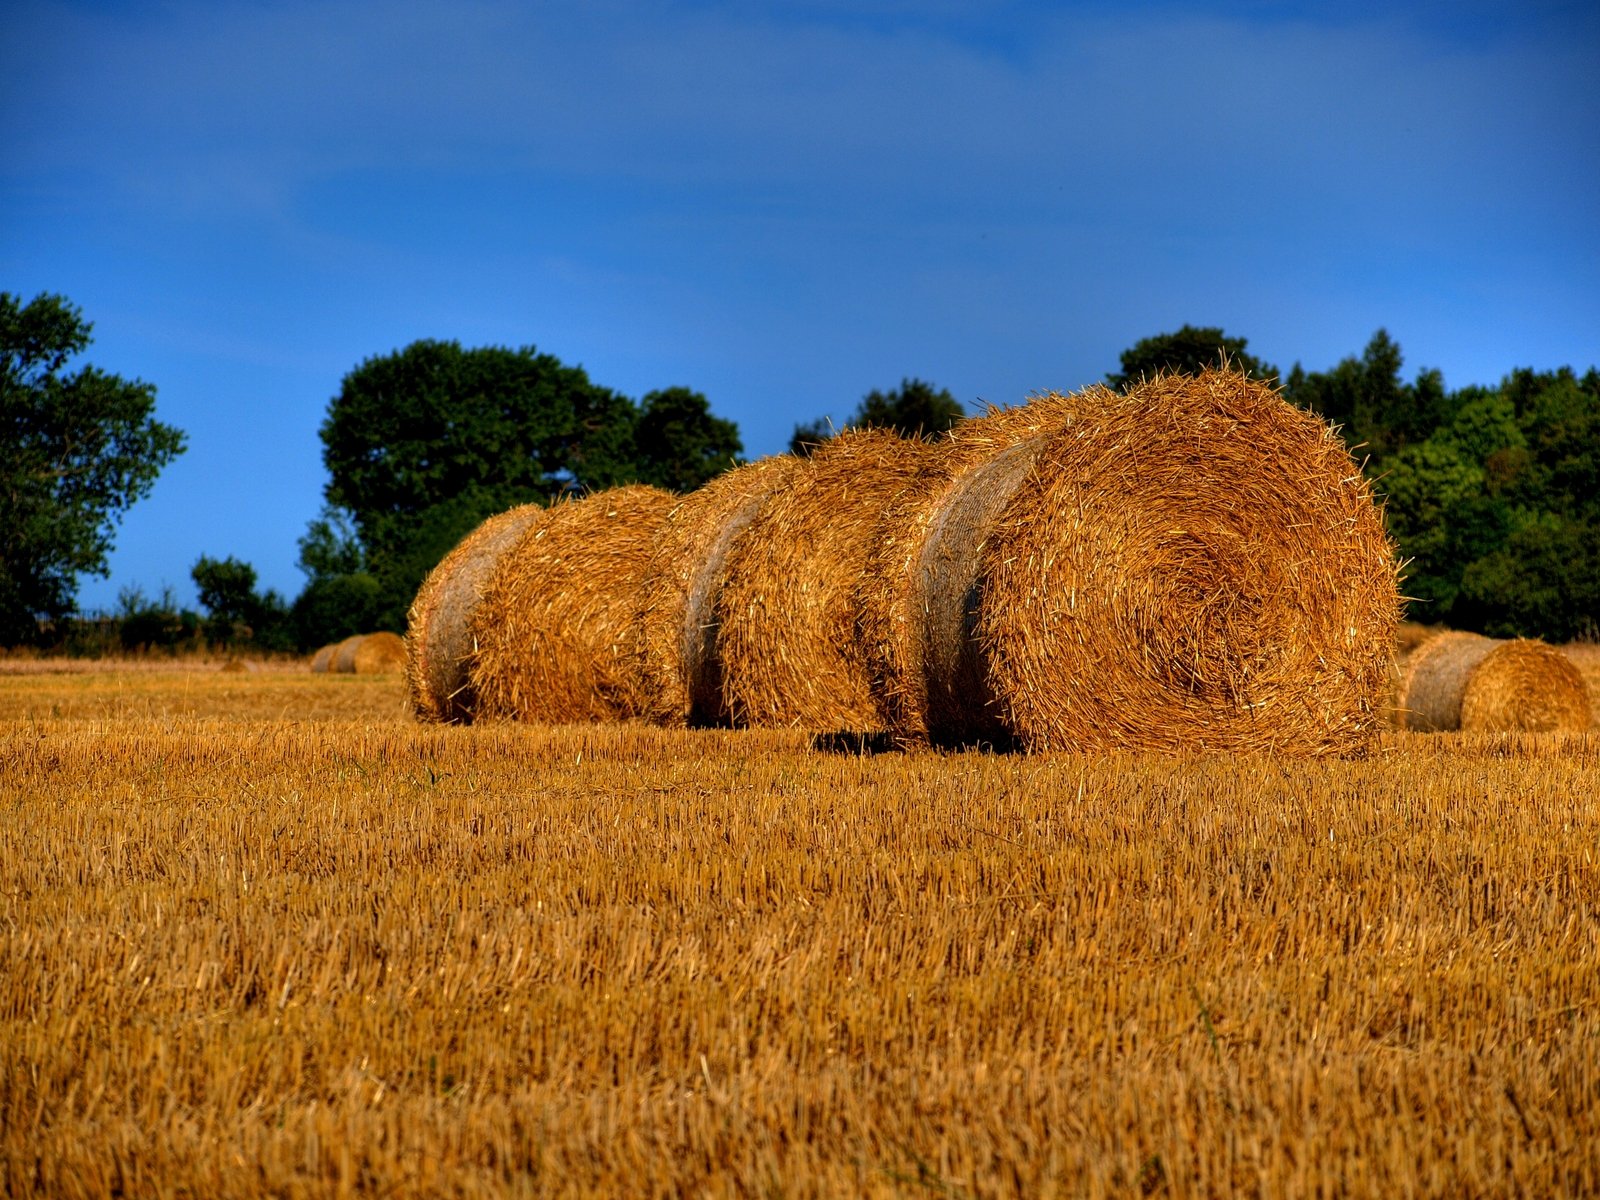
<point>786,611</point>
<point>553,630</point>
<point>1477,684</point>
<point>680,664</point>
<point>438,635</point>
<point>1586,657</point>
<point>1192,565</point>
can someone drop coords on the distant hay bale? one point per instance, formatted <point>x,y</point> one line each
<point>379,654</point>
<point>787,609</point>
<point>438,638</point>
<point>1410,636</point>
<point>1191,565</point>
<point>554,626</point>
<point>680,664</point>
<point>322,660</point>
<point>344,655</point>
<point>1479,684</point>
<point>1586,657</point>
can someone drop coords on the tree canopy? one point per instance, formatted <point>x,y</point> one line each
<point>1188,351</point>
<point>77,448</point>
<point>914,409</point>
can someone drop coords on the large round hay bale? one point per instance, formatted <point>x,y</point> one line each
<point>344,655</point>
<point>438,637</point>
<point>322,660</point>
<point>379,654</point>
<point>680,663</point>
<point>915,545</point>
<point>554,627</point>
<point>1586,657</point>
<point>1191,565</point>
<point>787,609</point>
<point>1479,684</point>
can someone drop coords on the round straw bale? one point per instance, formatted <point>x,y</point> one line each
<point>680,666</point>
<point>322,660</point>
<point>344,655</point>
<point>917,543</point>
<point>553,629</point>
<point>787,607</point>
<point>379,653</point>
<point>1586,657</point>
<point>1410,636</point>
<point>438,640</point>
<point>1193,564</point>
<point>1468,682</point>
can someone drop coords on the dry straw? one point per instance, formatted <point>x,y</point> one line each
<point>680,664</point>
<point>554,628</point>
<point>1478,684</point>
<point>787,640</point>
<point>379,653</point>
<point>344,655</point>
<point>438,640</point>
<point>322,660</point>
<point>1586,657</point>
<point>1194,564</point>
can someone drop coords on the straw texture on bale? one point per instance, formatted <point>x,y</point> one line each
<point>379,653</point>
<point>1191,565</point>
<point>554,628</point>
<point>344,655</point>
<point>1586,657</point>
<point>787,640</point>
<point>322,660</point>
<point>1485,685</point>
<point>680,665</point>
<point>438,639</point>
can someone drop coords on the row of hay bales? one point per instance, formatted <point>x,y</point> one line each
<point>1190,564</point>
<point>362,654</point>
<point>1449,680</point>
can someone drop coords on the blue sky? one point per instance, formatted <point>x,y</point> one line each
<point>780,205</point>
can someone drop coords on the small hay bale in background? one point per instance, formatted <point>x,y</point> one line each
<point>344,655</point>
<point>788,640</point>
<point>438,637</point>
<point>322,660</point>
<point>1192,565</point>
<point>680,665</point>
<point>1411,636</point>
<point>1479,684</point>
<point>554,626</point>
<point>1586,657</point>
<point>379,654</point>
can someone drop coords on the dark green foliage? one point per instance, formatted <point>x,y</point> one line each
<point>236,614</point>
<point>147,626</point>
<point>1189,351</point>
<point>678,444</point>
<point>914,409</point>
<point>334,607</point>
<point>76,450</point>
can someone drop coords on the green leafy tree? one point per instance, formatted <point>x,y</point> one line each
<point>1373,407</point>
<point>915,409</point>
<point>678,443</point>
<point>77,448</point>
<point>236,612</point>
<point>1188,352</point>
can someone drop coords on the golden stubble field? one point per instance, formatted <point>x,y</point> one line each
<point>261,934</point>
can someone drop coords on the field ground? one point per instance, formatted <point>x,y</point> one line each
<point>260,934</point>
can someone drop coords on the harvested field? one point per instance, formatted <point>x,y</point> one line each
<point>1469,682</point>
<point>438,627</point>
<point>680,661</point>
<point>335,950</point>
<point>554,629</point>
<point>787,609</point>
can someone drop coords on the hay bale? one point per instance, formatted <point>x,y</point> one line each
<point>1194,564</point>
<point>679,661</point>
<point>1586,657</point>
<point>438,639</point>
<point>1479,684</point>
<point>787,610</point>
<point>344,655</point>
<point>1411,636</point>
<point>554,626</point>
<point>322,660</point>
<point>379,654</point>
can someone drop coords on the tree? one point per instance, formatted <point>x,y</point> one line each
<point>1373,407</point>
<point>236,611</point>
<point>1189,351</point>
<point>679,444</point>
<point>76,450</point>
<point>914,409</point>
